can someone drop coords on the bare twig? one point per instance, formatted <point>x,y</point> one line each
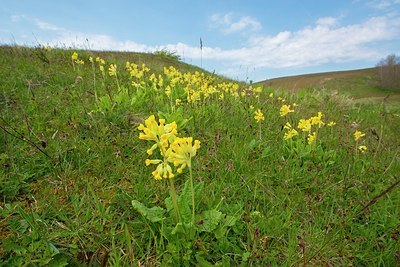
<point>20,137</point>
<point>375,199</point>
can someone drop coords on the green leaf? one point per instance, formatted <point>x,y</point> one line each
<point>154,214</point>
<point>201,262</point>
<point>211,219</point>
<point>253,143</point>
<point>185,201</point>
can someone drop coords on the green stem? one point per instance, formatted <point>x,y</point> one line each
<point>174,200</point>
<point>192,189</point>
<point>116,78</point>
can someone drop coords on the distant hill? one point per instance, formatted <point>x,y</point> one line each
<point>360,84</point>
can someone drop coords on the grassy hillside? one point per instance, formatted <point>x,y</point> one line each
<point>109,163</point>
<point>358,84</point>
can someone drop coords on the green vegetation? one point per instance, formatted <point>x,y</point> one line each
<point>363,85</point>
<point>278,178</point>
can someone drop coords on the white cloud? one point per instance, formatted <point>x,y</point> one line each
<point>382,4</point>
<point>228,24</point>
<point>327,21</point>
<point>46,26</point>
<point>324,42</point>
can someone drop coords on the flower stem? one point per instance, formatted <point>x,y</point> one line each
<point>192,189</point>
<point>174,200</point>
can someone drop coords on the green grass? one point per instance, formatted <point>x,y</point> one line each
<point>71,167</point>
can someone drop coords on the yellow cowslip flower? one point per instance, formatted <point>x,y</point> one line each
<point>317,120</point>
<point>182,151</point>
<point>163,169</point>
<point>362,148</point>
<point>251,107</point>
<point>112,70</point>
<point>271,95</point>
<point>295,104</point>
<point>101,67</point>
<point>178,102</point>
<point>332,123</point>
<point>79,62</point>
<point>304,125</point>
<point>358,134</point>
<point>91,59</point>
<point>290,133</point>
<point>281,99</point>
<point>311,138</point>
<point>284,110</point>
<point>74,56</point>
<point>97,59</point>
<point>258,89</point>
<point>157,132</point>
<point>258,115</point>
<point>168,90</point>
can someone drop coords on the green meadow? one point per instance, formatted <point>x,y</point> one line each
<point>129,159</point>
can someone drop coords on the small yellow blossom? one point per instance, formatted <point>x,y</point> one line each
<point>158,132</point>
<point>168,90</point>
<point>91,59</point>
<point>178,102</point>
<point>163,170</point>
<point>182,151</point>
<point>304,125</point>
<point>290,133</point>
<point>74,56</point>
<point>271,95</point>
<point>112,70</point>
<point>362,148</point>
<point>332,123</point>
<point>79,62</point>
<point>284,110</point>
<point>97,59</point>
<point>358,134</point>
<point>258,115</point>
<point>317,120</point>
<point>311,138</point>
<point>258,89</point>
<point>251,107</point>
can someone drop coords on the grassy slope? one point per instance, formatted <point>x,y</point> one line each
<point>358,84</point>
<point>73,206</point>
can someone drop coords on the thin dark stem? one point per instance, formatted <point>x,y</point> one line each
<point>23,139</point>
<point>375,199</point>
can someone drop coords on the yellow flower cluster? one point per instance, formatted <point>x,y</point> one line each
<point>357,135</point>
<point>112,70</point>
<point>291,131</point>
<point>101,63</point>
<point>138,74</point>
<point>284,110</point>
<point>76,59</point>
<point>306,126</point>
<point>258,115</point>
<point>188,87</point>
<point>176,150</point>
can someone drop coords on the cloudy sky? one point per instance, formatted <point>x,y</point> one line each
<point>245,40</point>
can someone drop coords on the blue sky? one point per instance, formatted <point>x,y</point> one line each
<point>245,40</point>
